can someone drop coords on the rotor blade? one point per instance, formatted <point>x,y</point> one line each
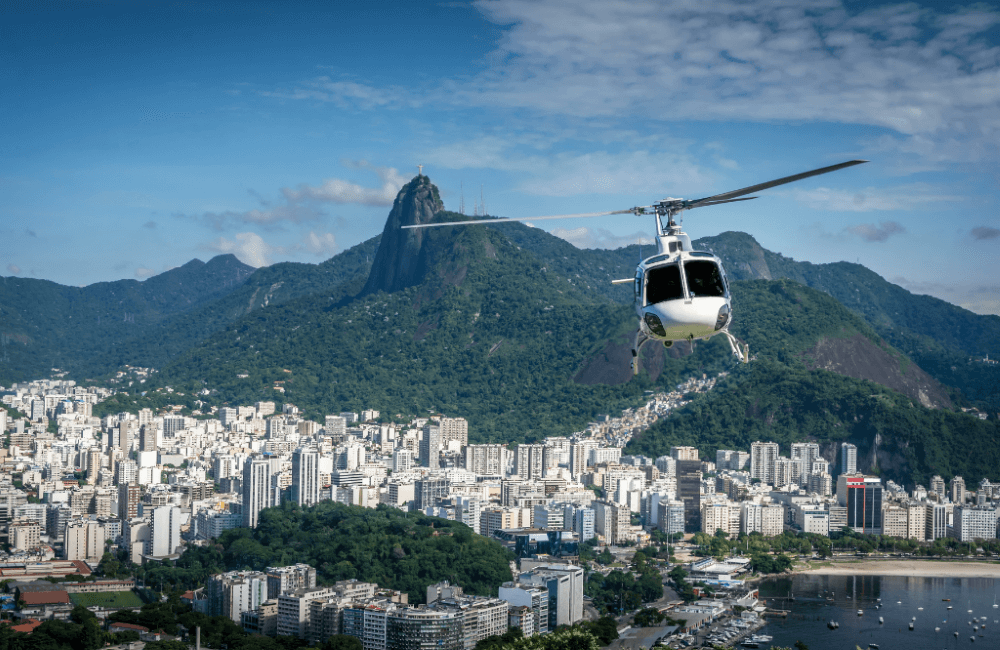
<point>774,183</point>
<point>475,222</point>
<point>702,205</point>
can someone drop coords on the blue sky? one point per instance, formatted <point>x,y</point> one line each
<point>138,137</point>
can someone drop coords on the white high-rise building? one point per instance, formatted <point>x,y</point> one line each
<point>485,460</point>
<point>764,461</point>
<point>804,453</point>
<point>848,458</point>
<point>402,460</point>
<point>305,476</point>
<point>256,489</point>
<point>454,429</point>
<point>529,462</point>
<point>126,472</point>
<point>164,531</point>
<point>224,466</point>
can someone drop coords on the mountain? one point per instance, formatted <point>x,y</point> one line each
<point>523,334</point>
<point>402,259</point>
<point>945,340</point>
<point>45,325</point>
<point>489,333</point>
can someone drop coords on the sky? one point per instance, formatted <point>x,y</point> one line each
<point>137,136</point>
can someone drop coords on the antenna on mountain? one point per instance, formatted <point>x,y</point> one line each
<point>482,201</point>
<point>461,201</point>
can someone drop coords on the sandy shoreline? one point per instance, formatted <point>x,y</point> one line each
<point>904,568</point>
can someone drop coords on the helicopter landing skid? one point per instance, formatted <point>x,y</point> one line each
<point>640,340</point>
<point>740,349</point>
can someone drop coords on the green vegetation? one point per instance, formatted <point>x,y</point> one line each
<point>623,591</point>
<point>108,600</point>
<point>491,334</point>
<point>588,635</point>
<point>386,546</point>
<point>767,400</point>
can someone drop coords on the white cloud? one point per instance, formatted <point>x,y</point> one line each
<point>649,174</point>
<point>320,245</point>
<point>916,196</point>
<point>880,233</point>
<point>14,269</point>
<point>928,75</point>
<point>344,94</point>
<point>303,204</point>
<point>600,238</point>
<point>143,273</point>
<point>252,249</point>
<point>249,247</point>
<point>335,190</point>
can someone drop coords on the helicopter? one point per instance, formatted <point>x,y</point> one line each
<point>673,305</point>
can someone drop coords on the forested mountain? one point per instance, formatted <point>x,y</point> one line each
<point>45,325</point>
<point>94,330</point>
<point>524,335</point>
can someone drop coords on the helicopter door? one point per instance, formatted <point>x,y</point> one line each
<point>704,279</point>
<point>663,283</point>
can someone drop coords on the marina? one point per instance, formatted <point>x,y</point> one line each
<point>834,612</point>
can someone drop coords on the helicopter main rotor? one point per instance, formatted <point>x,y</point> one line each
<point>669,207</point>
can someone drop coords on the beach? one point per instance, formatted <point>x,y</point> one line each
<point>903,568</point>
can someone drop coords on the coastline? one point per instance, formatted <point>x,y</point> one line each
<point>903,568</point>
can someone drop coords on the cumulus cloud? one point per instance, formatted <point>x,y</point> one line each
<point>304,203</point>
<point>335,190</point>
<point>14,269</point>
<point>983,233</point>
<point>320,244</point>
<point>143,273</point>
<point>252,249</point>
<point>249,247</point>
<point>600,238</point>
<point>880,233</point>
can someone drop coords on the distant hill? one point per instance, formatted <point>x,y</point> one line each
<point>45,325</point>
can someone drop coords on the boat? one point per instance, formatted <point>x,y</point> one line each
<point>860,613</point>
<point>750,644</point>
<point>911,626</point>
<point>920,609</point>
<point>880,621</point>
<point>873,646</point>
<point>949,606</point>
<point>937,629</point>
<point>947,600</point>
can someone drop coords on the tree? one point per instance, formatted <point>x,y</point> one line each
<point>344,642</point>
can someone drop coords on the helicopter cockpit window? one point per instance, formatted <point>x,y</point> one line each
<point>663,283</point>
<point>704,279</point>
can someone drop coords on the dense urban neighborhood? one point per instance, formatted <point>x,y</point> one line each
<point>228,513</point>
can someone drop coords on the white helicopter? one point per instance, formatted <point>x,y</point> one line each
<point>671,305</point>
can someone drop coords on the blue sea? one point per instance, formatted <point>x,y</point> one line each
<point>898,600</point>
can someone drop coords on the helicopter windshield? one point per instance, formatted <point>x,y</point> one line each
<point>663,283</point>
<point>704,279</point>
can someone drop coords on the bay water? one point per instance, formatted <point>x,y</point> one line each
<point>813,601</point>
